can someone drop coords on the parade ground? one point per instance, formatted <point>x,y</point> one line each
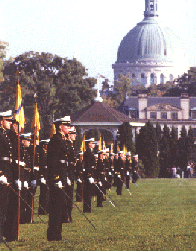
<point>160,214</point>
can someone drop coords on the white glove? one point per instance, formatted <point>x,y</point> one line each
<point>127,173</point>
<point>3,180</point>
<point>36,168</point>
<point>59,184</point>
<point>83,170</point>
<point>68,181</point>
<point>100,183</point>
<point>26,184</point>
<point>43,181</point>
<point>91,180</point>
<point>105,178</point>
<point>19,184</point>
<point>33,183</point>
<point>118,176</point>
<point>79,180</point>
<point>110,173</point>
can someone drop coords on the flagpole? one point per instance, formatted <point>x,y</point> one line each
<point>34,144</point>
<point>19,193</point>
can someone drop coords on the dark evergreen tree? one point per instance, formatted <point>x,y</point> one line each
<point>126,137</point>
<point>146,147</point>
<point>183,151</point>
<point>165,152</point>
<point>158,134</point>
<point>174,147</point>
<point>190,145</point>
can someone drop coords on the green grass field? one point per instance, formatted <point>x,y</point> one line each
<point>159,215</point>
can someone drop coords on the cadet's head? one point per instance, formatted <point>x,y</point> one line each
<point>6,119</point>
<point>15,126</point>
<point>63,125</point>
<point>72,133</point>
<point>121,154</point>
<point>91,143</point>
<point>100,155</point>
<point>26,139</point>
<point>135,157</point>
<point>111,156</point>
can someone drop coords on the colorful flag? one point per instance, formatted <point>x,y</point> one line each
<point>82,148</point>
<point>19,108</point>
<point>35,125</point>
<point>53,129</point>
<point>111,148</point>
<point>100,143</point>
<point>124,150</point>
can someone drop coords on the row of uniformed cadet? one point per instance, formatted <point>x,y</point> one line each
<point>10,184</point>
<point>58,168</point>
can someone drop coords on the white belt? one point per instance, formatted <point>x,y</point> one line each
<point>63,161</point>
<point>21,163</point>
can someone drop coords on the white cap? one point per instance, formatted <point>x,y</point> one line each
<point>7,114</point>
<point>128,154</point>
<point>90,140</point>
<point>64,120</point>
<point>135,156</point>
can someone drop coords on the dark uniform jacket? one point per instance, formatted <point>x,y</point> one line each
<point>58,159</point>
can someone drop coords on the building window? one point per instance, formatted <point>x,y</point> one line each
<point>193,114</point>
<point>152,79</point>
<point>174,115</point>
<point>133,114</point>
<point>163,115</point>
<point>153,115</point>
<point>171,78</point>
<point>142,79</point>
<point>161,78</point>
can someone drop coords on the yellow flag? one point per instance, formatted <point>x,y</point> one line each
<point>111,148</point>
<point>82,148</point>
<point>35,125</point>
<point>104,146</point>
<point>53,129</point>
<point>19,108</point>
<point>100,148</point>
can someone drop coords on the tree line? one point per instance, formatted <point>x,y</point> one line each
<point>160,150</point>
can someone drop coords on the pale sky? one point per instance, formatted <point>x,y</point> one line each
<point>91,30</point>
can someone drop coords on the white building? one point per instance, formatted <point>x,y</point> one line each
<point>173,111</point>
<point>150,54</point>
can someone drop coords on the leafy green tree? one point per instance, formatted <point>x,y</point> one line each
<point>146,147</point>
<point>62,86</point>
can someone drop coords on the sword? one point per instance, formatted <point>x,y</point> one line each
<point>104,195</point>
<point>26,204</point>
<point>83,200</point>
<point>38,202</point>
<point>79,209</point>
<point>6,245</point>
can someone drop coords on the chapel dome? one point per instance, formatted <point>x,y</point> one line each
<point>148,41</point>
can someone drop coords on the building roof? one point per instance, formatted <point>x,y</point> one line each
<point>132,102</point>
<point>100,112</point>
<point>163,107</point>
